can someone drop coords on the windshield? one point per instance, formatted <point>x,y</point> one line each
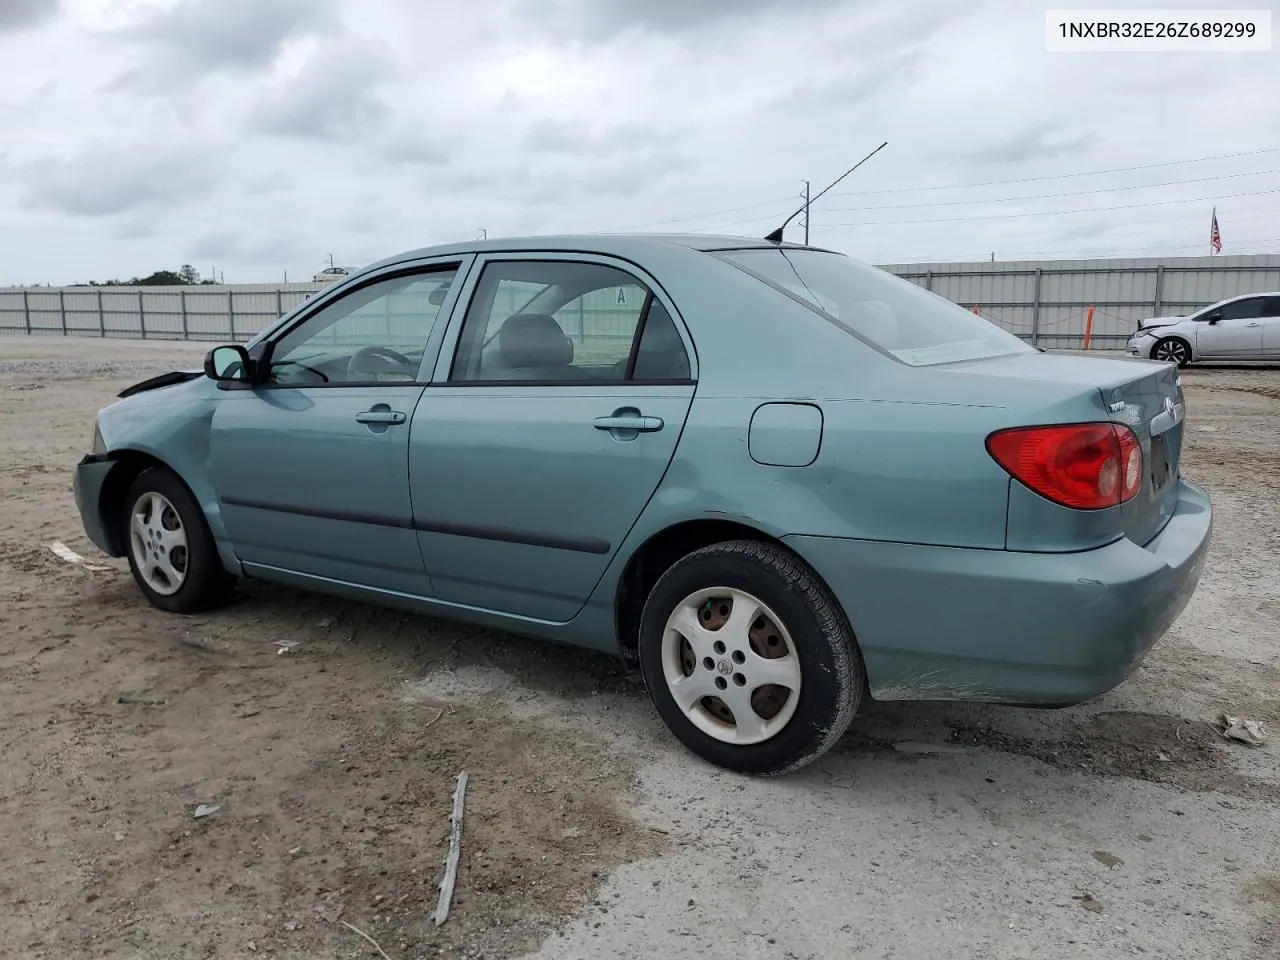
<point>906,321</point>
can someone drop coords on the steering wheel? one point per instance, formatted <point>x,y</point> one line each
<point>385,354</point>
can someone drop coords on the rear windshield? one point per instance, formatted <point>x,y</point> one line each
<point>906,321</point>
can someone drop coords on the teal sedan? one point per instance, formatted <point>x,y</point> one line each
<point>775,479</point>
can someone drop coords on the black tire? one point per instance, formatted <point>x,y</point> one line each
<point>206,583</point>
<point>1172,348</point>
<point>832,676</point>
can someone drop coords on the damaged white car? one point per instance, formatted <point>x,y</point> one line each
<point>1240,328</point>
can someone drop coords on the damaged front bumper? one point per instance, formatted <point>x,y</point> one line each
<point>90,477</point>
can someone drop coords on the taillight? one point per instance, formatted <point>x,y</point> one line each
<point>1088,466</point>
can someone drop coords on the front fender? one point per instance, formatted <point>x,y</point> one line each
<point>171,427</point>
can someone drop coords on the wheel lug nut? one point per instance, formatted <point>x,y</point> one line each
<point>721,683</point>
<point>739,656</point>
<point>739,679</point>
<point>709,663</point>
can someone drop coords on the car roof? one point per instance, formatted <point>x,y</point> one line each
<point>1243,296</point>
<point>620,244</point>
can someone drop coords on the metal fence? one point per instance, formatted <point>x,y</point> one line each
<point>1052,302</point>
<point>1056,303</point>
<point>205,312</point>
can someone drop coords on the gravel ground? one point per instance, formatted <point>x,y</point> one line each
<point>1124,827</point>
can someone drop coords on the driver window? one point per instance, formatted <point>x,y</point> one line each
<point>375,334</point>
<point>1243,309</point>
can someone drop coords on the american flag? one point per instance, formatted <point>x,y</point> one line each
<point>1215,238</point>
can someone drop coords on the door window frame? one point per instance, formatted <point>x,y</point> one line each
<point>467,294</point>
<point>1218,308</point>
<point>262,347</point>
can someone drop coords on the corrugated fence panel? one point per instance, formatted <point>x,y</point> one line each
<point>1122,292</point>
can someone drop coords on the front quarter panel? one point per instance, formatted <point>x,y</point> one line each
<point>171,425</point>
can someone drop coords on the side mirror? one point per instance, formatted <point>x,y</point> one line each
<point>228,364</point>
<point>1214,318</point>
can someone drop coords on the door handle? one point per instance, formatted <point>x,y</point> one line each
<point>1254,324</point>
<point>380,416</point>
<point>641,424</point>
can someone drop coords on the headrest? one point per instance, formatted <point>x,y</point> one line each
<point>533,340</point>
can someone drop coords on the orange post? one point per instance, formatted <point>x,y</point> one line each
<point>974,309</point>
<point>1088,328</point>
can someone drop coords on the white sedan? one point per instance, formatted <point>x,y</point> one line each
<point>1240,328</point>
<point>330,274</point>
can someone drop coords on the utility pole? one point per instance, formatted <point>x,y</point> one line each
<point>484,234</point>
<point>329,258</point>
<point>806,213</point>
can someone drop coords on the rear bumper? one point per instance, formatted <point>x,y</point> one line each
<point>91,474</point>
<point>1038,629</point>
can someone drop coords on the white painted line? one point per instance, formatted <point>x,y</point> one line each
<point>64,552</point>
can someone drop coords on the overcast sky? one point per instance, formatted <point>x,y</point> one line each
<point>261,135</point>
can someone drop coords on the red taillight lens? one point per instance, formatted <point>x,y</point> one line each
<point>1088,466</point>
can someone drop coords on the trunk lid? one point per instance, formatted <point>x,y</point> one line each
<point>1153,407</point>
<point>1144,395</point>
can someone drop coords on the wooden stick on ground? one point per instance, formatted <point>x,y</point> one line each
<point>356,929</point>
<point>455,850</point>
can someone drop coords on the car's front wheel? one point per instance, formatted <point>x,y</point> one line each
<point>749,659</point>
<point>1172,350</point>
<point>171,550</point>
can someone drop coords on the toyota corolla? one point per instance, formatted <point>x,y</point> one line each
<point>777,480</point>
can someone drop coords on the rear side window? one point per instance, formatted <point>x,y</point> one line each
<point>903,320</point>
<point>560,321</point>
<point>660,354</point>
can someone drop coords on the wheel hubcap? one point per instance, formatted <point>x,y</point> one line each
<point>731,665</point>
<point>159,543</point>
<point>1171,351</point>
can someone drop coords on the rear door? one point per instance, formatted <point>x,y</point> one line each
<point>546,430</point>
<point>1233,331</point>
<point>1271,328</point>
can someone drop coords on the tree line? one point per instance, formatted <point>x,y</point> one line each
<point>186,275</point>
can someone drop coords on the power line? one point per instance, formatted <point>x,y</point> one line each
<point>1053,196</point>
<point>1057,176</point>
<point>1130,230</point>
<point>1056,213</point>
<point>961,186</point>
<point>703,216</point>
<point>967,255</point>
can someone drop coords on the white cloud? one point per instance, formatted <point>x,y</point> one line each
<point>264,134</point>
<point>23,14</point>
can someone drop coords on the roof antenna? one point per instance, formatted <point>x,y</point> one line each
<point>776,236</point>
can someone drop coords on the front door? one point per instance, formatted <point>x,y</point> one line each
<point>311,466</point>
<point>1237,332</point>
<point>546,433</point>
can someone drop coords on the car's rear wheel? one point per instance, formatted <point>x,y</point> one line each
<point>749,659</point>
<point>171,551</point>
<point>1172,350</point>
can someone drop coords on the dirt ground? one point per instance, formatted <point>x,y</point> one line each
<point>330,733</point>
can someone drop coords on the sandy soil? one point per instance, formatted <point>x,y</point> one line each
<point>1122,827</point>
